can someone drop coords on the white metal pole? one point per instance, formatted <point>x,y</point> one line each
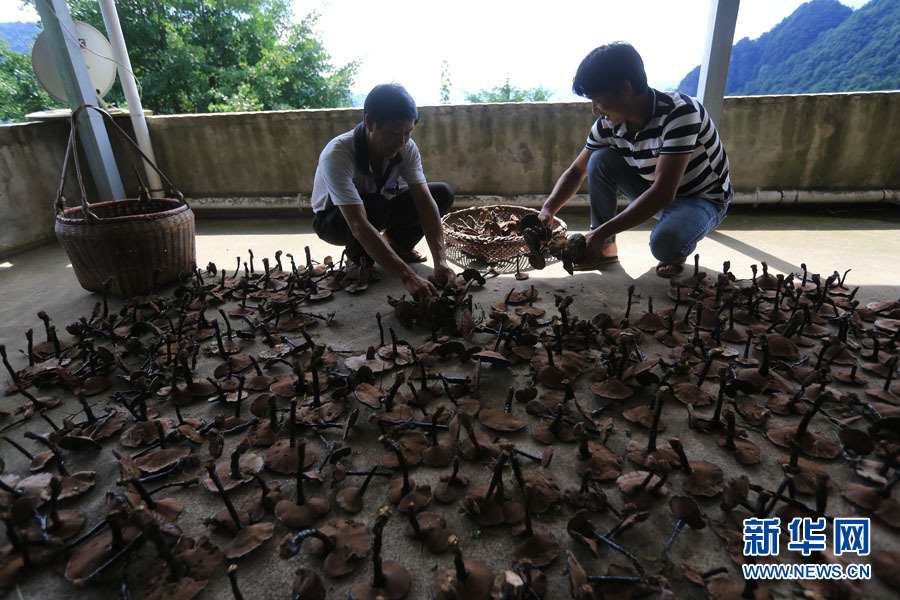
<point>717,55</point>
<point>136,110</point>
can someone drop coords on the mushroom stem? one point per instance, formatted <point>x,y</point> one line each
<point>529,531</point>
<point>654,426</point>
<point>160,433</point>
<point>461,573</point>
<point>379,581</point>
<point>812,410</point>
<point>885,489</point>
<point>404,467</point>
<point>392,392</point>
<point>12,372</point>
<point>628,304</point>
<point>497,475</point>
<point>380,329</point>
<point>19,447</point>
<point>55,491</point>
<point>232,577</point>
<point>29,335</point>
<point>634,560</point>
<point>301,460</point>
<point>365,483</point>
<point>454,470</point>
<point>729,431</point>
<point>297,540</point>
<point>434,423</point>
<point>176,569</point>
<point>17,541</point>
<point>675,443</point>
<point>678,526</point>
<point>185,483</point>
<point>142,492</point>
<point>211,470</point>
<point>57,453</point>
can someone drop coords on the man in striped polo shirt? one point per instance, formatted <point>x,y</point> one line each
<point>660,149</point>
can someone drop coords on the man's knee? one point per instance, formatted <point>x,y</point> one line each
<point>443,196</point>
<point>667,243</point>
<point>604,161</point>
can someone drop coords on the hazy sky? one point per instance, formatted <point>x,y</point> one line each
<point>534,43</point>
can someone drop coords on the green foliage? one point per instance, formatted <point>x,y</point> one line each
<point>510,93</point>
<point>20,92</point>
<point>223,55</point>
<point>823,46</point>
<point>445,82</point>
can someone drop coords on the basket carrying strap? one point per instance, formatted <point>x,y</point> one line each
<point>72,151</point>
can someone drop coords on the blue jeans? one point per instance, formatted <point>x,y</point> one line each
<point>682,224</point>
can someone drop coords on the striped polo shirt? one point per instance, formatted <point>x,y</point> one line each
<point>679,125</point>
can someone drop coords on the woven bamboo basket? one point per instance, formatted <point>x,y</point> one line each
<point>131,245</point>
<point>491,249</point>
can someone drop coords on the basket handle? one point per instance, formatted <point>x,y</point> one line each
<point>71,151</point>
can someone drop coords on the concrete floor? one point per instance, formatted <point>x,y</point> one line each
<point>863,239</point>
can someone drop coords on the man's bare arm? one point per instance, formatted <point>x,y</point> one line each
<point>430,218</point>
<point>566,186</point>
<point>376,246</point>
<point>668,175</point>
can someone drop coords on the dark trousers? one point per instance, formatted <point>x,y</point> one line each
<point>397,218</point>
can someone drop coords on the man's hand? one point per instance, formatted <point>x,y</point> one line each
<point>445,276</point>
<point>546,217</point>
<point>419,288</point>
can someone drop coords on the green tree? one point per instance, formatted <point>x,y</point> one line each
<point>223,55</point>
<point>20,92</point>
<point>445,82</point>
<point>510,93</point>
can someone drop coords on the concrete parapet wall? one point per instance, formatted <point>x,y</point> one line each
<point>781,148</point>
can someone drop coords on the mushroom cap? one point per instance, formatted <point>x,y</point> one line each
<point>249,464</point>
<point>160,459</point>
<point>538,550</point>
<point>688,393</point>
<point>685,509</point>
<point>603,465</point>
<point>349,499</point>
<point>496,419</point>
<point>745,451</point>
<point>302,516</point>
<point>440,455</point>
<point>706,480</point>
<point>248,539</point>
<point>735,491</point>
<point>643,416</point>
<point>397,583</point>
<point>282,458</point>
<point>810,443</point>
<point>87,557</point>
<point>579,587</point>
<point>477,586</point>
<point>612,389</point>
<point>351,542</point>
<point>886,565</point>
<point>308,584</point>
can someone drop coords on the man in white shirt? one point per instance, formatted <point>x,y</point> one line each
<point>357,194</point>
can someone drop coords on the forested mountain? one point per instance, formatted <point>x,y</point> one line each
<point>20,36</point>
<point>823,46</point>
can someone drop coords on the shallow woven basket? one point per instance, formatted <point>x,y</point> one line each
<point>126,246</point>
<point>490,249</point>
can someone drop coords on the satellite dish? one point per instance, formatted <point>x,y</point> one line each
<point>98,57</point>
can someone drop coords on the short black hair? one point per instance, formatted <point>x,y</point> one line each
<point>390,102</point>
<point>605,68</point>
